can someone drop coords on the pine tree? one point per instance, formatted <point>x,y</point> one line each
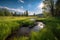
<point>26,12</point>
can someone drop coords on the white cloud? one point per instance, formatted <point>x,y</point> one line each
<point>3,7</point>
<point>38,11</point>
<point>39,8</point>
<point>41,5</point>
<point>13,9</point>
<point>31,13</point>
<point>21,1</point>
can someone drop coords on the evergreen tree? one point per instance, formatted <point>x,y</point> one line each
<point>15,14</point>
<point>26,12</point>
<point>34,14</point>
<point>2,13</point>
<point>7,13</point>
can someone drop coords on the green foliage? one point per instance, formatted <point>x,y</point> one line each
<point>15,14</point>
<point>50,32</point>
<point>44,34</point>
<point>7,26</point>
<point>34,14</point>
<point>7,13</point>
<point>58,8</point>
<point>26,12</point>
<point>52,6</point>
<point>4,12</point>
<point>53,25</point>
<point>47,14</point>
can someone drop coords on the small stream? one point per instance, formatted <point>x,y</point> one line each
<point>25,31</point>
<point>38,25</point>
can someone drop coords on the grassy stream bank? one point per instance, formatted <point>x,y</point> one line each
<point>50,32</point>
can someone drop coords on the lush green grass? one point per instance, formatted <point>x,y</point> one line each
<point>50,32</point>
<point>8,24</point>
<point>6,27</point>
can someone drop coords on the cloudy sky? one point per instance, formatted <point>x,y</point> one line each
<point>33,6</point>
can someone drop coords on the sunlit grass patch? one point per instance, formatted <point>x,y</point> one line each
<point>8,24</point>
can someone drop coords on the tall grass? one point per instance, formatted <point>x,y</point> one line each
<point>50,32</point>
<point>6,27</point>
<point>9,24</point>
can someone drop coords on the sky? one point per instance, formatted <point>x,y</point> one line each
<point>33,6</point>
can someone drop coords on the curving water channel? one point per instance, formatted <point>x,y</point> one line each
<point>25,31</point>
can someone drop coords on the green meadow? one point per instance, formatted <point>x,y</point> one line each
<point>29,19</point>
<point>8,24</point>
<point>51,31</point>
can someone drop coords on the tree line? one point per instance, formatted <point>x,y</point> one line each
<point>5,12</point>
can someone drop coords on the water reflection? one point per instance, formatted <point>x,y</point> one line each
<point>27,30</point>
<point>39,26</point>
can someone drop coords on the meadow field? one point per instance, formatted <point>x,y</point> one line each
<point>29,19</point>
<point>10,24</point>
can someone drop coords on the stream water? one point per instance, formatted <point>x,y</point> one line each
<point>39,26</point>
<point>25,31</point>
